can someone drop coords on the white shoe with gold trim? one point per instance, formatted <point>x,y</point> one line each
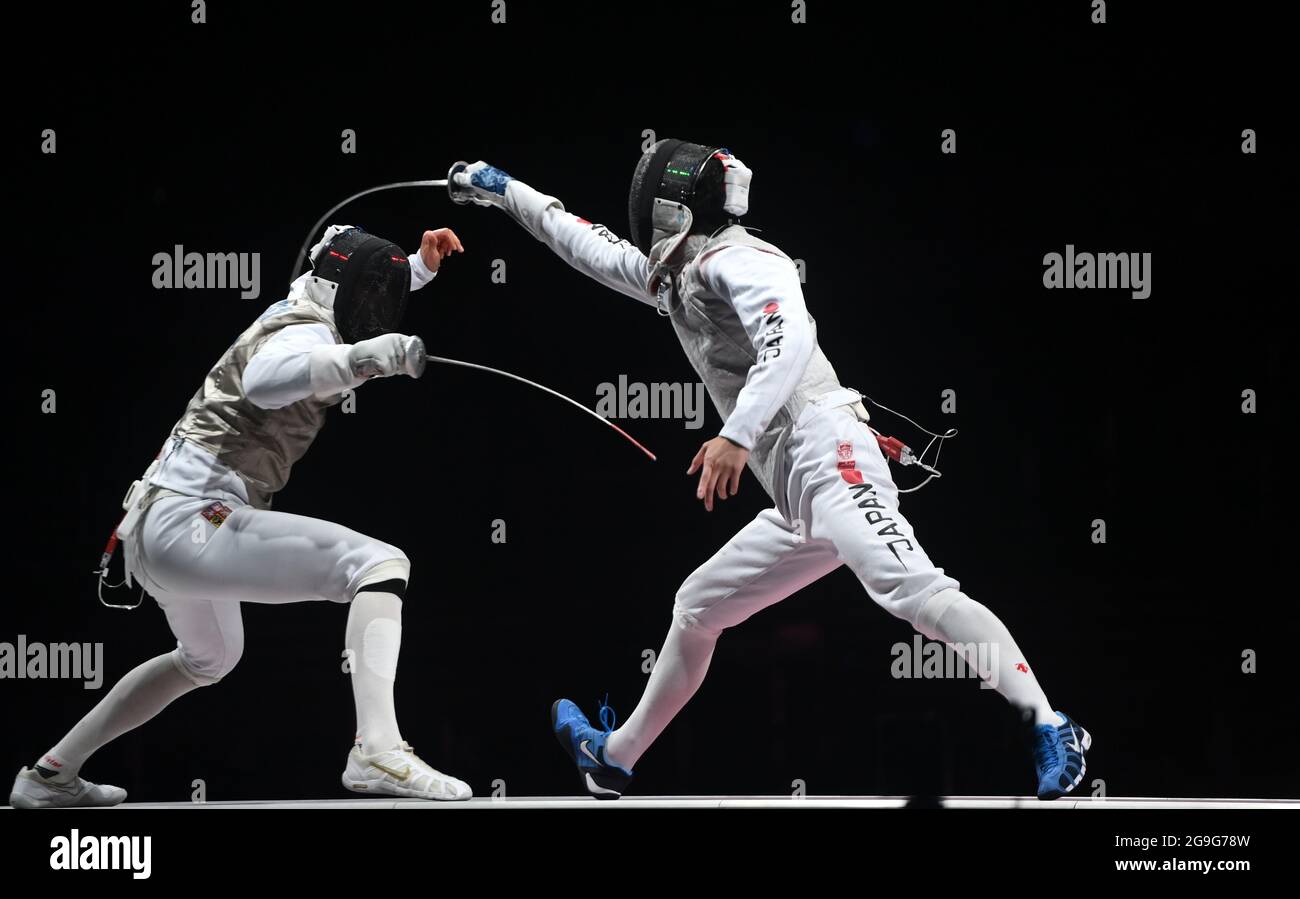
<point>400,772</point>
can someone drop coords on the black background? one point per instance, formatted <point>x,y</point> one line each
<point>924,272</point>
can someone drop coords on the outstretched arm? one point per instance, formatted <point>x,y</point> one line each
<point>592,249</point>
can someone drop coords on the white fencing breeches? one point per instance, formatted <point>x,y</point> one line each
<point>200,567</point>
<point>200,559</point>
<point>843,511</point>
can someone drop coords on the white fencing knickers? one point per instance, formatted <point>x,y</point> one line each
<point>843,511</point>
<point>200,558</point>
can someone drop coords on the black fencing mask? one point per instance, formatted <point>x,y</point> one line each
<point>681,187</point>
<point>373,277</point>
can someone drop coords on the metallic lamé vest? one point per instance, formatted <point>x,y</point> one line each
<point>259,445</point>
<point>721,352</point>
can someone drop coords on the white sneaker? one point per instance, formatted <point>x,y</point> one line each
<point>33,791</point>
<point>400,772</point>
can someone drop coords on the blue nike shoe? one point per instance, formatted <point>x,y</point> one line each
<point>585,746</point>
<point>1058,756</point>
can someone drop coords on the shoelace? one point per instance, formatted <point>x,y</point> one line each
<point>607,717</point>
<point>1047,752</point>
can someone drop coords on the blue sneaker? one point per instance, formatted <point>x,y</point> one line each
<point>1058,756</point>
<point>585,746</point>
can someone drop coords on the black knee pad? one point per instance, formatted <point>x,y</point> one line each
<point>395,586</point>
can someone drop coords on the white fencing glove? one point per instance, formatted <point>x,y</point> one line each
<point>387,355</point>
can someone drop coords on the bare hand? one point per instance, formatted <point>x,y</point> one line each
<point>438,244</point>
<point>722,461</point>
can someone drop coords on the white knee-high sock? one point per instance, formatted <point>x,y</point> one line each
<point>965,622</point>
<point>374,639</point>
<point>679,670</point>
<point>141,694</point>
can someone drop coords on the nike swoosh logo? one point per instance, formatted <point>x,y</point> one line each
<point>587,752</point>
<point>399,775</point>
<point>1073,745</point>
<point>594,787</point>
<point>898,557</point>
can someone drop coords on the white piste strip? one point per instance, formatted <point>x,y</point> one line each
<point>773,802</point>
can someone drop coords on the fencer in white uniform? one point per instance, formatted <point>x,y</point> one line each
<point>199,534</point>
<point>736,306</point>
